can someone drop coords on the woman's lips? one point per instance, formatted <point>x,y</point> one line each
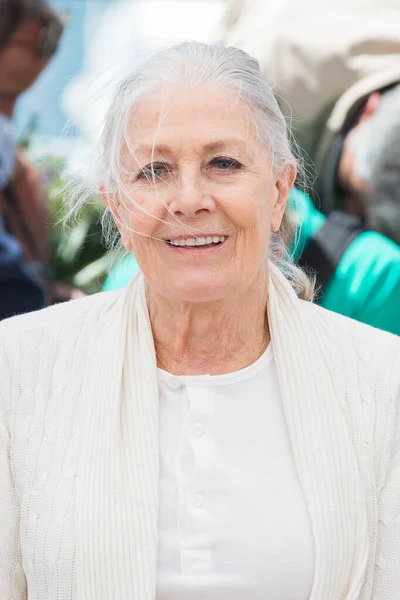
<point>201,245</point>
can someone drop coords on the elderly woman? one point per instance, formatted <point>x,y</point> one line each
<point>205,433</point>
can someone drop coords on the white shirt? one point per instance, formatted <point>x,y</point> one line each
<point>233,524</point>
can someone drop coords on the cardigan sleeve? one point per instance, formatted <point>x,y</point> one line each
<point>387,563</point>
<point>12,579</point>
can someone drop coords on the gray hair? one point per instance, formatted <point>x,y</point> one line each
<point>194,63</point>
<point>377,162</point>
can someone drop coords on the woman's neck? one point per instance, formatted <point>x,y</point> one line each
<point>209,337</point>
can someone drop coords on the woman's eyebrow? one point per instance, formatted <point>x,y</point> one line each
<point>152,149</point>
<point>225,143</point>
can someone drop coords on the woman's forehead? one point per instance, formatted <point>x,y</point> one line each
<point>205,116</point>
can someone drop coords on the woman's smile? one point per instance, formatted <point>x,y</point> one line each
<point>197,245</point>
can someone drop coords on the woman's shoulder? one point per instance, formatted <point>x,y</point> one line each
<point>35,345</point>
<point>355,339</point>
<point>362,367</point>
<point>48,349</point>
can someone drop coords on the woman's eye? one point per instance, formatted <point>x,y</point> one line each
<point>154,170</point>
<point>226,164</point>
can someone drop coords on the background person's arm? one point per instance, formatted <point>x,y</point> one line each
<point>383,309</point>
<point>32,207</point>
<point>366,283</point>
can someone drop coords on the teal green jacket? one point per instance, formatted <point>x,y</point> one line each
<point>365,285</point>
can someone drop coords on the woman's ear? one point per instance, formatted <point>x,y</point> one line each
<point>283,184</point>
<point>107,198</point>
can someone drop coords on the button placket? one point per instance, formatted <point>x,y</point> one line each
<point>174,383</point>
<point>200,524</point>
<point>184,472</point>
<point>198,430</point>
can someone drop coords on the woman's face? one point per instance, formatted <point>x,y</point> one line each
<point>200,224</point>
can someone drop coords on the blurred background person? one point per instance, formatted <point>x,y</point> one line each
<point>357,271</point>
<point>24,53</point>
<point>20,289</point>
<point>31,31</point>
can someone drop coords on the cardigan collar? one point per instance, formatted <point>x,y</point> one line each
<point>117,487</point>
<point>309,377</point>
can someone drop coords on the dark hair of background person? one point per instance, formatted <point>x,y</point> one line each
<point>13,12</point>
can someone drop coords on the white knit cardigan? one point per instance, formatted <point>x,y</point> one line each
<point>79,447</point>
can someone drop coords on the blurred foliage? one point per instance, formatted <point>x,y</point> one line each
<point>26,138</point>
<point>77,253</point>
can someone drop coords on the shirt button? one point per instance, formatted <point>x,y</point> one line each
<point>175,383</point>
<point>198,429</point>
<point>199,500</point>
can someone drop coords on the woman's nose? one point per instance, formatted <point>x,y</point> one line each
<point>191,197</point>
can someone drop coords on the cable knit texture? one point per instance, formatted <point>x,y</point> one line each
<point>79,447</point>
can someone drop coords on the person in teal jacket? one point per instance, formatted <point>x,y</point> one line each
<point>365,285</point>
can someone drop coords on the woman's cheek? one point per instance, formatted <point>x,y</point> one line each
<point>138,219</point>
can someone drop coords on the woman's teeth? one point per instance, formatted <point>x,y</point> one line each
<point>200,241</point>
